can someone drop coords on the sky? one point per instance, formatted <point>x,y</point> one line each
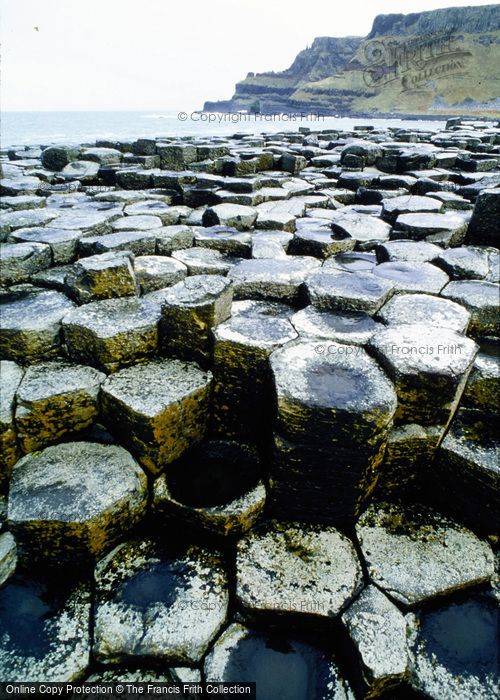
<point>160,55</point>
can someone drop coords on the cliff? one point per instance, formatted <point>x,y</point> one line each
<point>439,62</point>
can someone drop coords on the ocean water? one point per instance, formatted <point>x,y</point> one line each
<point>43,128</point>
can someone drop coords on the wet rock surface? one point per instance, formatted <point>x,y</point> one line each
<point>111,333</point>
<point>415,554</point>
<point>291,568</point>
<point>45,630</point>
<point>453,651</point>
<point>255,340</point>
<point>281,667</point>
<point>160,424</point>
<point>157,603</point>
<point>377,629</point>
<point>72,501</point>
<point>55,399</point>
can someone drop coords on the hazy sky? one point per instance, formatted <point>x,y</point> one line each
<point>163,54</point>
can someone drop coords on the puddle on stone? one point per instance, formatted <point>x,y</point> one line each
<point>330,385</point>
<point>356,262</point>
<point>25,607</point>
<point>160,583</point>
<point>349,322</point>
<point>214,473</point>
<point>463,638</point>
<point>281,669</point>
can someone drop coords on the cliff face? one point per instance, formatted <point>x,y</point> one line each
<point>443,61</point>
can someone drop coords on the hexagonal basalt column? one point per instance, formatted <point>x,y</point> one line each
<point>408,457</point>
<point>415,554</point>
<point>189,310</point>
<point>214,488</point>
<point>30,323</point>
<point>404,309</point>
<point>156,602</point>
<point>159,424</point>
<point>8,556</point>
<point>54,399</point>
<point>412,277</point>
<point>483,387</point>
<point>481,299</point>
<point>467,476</point>
<point>72,502</point>
<point>18,261</point>
<point>45,630</point>
<point>332,290</point>
<point>242,383</point>
<point>281,667</point>
<point>338,400</point>
<point>11,375</point>
<point>377,629</point>
<point>296,569</point>
<point>354,327</point>
<point>104,276</point>
<point>269,279</point>
<point>112,333</point>
<point>334,413</point>
<point>454,651</point>
<point>429,367</point>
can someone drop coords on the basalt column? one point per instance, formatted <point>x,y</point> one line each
<point>334,411</point>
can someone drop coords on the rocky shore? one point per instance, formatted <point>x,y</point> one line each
<point>249,391</point>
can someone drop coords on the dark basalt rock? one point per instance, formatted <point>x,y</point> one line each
<point>377,629</point>
<point>483,386</point>
<point>11,375</point>
<point>407,251</point>
<point>45,630</point>
<point>281,667</point>
<point>334,290</point>
<point>104,276</point>
<point>158,602</point>
<point>272,280</point>
<point>161,424</point>
<point>483,227</point>
<point>354,327</point>
<point>112,333</point>
<point>296,569</point>
<point>415,554</point>
<point>429,367</point>
<point>351,262</point>
<point>55,399</point>
<point>333,414</point>
<point>408,457</point>
<point>30,323</point>
<point>242,401</point>
<point>225,239</point>
<point>154,272</point>
<point>63,244</point>
<point>464,263</point>
<point>426,309</point>
<point>189,310</point>
<point>453,651</point>
<point>446,229</point>
<point>481,299</point>
<point>72,502</point>
<point>56,157</point>
<point>18,262</point>
<point>412,277</point>
<point>8,556</point>
<point>467,468</point>
<point>205,261</point>
<point>214,488</point>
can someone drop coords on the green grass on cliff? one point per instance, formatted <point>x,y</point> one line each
<point>472,73</point>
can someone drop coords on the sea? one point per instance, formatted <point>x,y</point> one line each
<point>44,128</point>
